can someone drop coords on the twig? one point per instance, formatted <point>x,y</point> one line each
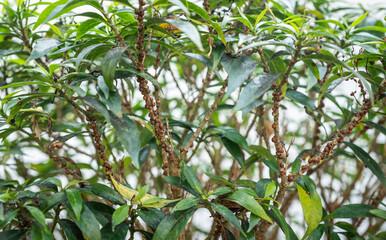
<point>185,149</point>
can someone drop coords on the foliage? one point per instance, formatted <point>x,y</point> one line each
<point>129,119</point>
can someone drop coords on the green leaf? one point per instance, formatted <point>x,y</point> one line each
<point>229,235</point>
<point>12,234</point>
<point>106,193</point>
<point>261,15</point>
<point>312,209</point>
<point>249,203</point>
<point>28,97</point>
<point>185,203</point>
<point>307,184</point>
<point>287,43</point>
<point>189,29</point>
<point>200,58</point>
<point>75,199</point>
<point>191,177</point>
<point>71,230</point>
<point>266,157</point>
<point>76,77</point>
<point>333,22</point>
<point>171,226</point>
<point>177,181</point>
<point>141,74</point>
<point>86,26</point>
<point>239,69</point>
<point>151,216</point>
<point>351,211</point>
<point>329,85</point>
<point>351,231</point>
<point>249,235</point>
<point>19,84</point>
<point>59,8</point>
<point>217,53</point>
<point>54,200</point>
<point>42,47</point>
<point>93,15</point>
<point>37,232</point>
<point>181,5</point>
<point>245,183</point>
<point>296,165</point>
<point>325,58</point>
<point>328,58</point>
<point>142,192</point>
<point>263,152</point>
<point>265,188</point>
<point>8,218</point>
<point>313,72</point>
<point>234,149</point>
<point>246,22</point>
<point>193,7</point>
<point>376,126</point>
<point>96,104</point>
<point>253,221</point>
<point>53,180</point>
<point>233,135</point>
<point>358,20</point>
<point>219,31</point>
<point>102,212</point>
<point>109,65</point>
<point>37,215</point>
<point>276,54</point>
<point>86,51</point>
<point>228,215</point>
<point>278,217</point>
<point>222,190</point>
<point>112,99</point>
<point>73,182</point>
<point>317,233</point>
<point>128,134</point>
<point>124,2</point>
<point>87,223</point>
<point>247,190</point>
<point>204,60</point>
<point>370,28</point>
<point>145,151</point>
<point>119,74</point>
<point>119,233</point>
<point>368,161</point>
<point>219,178</point>
<point>300,98</point>
<point>379,213</point>
<point>49,12</point>
<point>120,214</point>
<point>67,137</point>
<point>254,89</point>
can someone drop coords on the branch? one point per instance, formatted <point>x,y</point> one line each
<point>185,149</point>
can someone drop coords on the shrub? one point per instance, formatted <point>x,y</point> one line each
<point>172,119</point>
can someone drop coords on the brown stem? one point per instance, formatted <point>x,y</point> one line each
<point>185,149</point>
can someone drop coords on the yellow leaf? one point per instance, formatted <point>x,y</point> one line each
<point>312,209</point>
<point>170,28</point>
<point>143,122</point>
<point>284,90</point>
<point>158,202</point>
<point>123,190</point>
<point>84,236</point>
<point>147,201</point>
<point>56,30</point>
